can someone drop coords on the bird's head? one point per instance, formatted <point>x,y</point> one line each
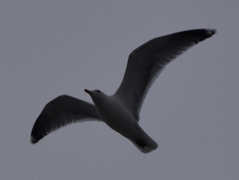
<point>97,96</point>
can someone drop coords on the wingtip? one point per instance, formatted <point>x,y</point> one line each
<point>210,32</point>
<point>33,140</point>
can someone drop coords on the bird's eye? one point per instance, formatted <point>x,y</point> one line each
<point>98,91</point>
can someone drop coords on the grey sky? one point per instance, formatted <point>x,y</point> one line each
<point>49,48</point>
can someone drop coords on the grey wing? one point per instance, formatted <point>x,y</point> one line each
<point>59,112</point>
<point>147,61</point>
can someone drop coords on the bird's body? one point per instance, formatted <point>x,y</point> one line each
<point>116,115</point>
<point>121,110</point>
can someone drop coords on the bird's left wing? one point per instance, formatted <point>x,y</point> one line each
<point>59,112</point>
<point>147,61</point>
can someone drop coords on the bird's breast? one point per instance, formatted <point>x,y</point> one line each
<point>117,117</point>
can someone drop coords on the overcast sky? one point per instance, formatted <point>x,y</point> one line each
<point>54,47</point>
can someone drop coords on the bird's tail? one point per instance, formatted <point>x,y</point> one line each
<point>144,143</point>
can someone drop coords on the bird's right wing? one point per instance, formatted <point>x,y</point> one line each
<point>59,112</point>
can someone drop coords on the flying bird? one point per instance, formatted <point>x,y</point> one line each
<point>120,111</point>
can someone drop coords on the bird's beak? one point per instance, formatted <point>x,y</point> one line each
<point>88,91</point>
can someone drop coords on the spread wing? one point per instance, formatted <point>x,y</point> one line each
<point>59,112</point>
<point>147,61</point>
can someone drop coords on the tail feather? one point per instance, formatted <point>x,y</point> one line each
<point>145,143</point>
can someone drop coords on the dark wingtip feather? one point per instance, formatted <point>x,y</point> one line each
<point>35,137</point>
<point>210,32</point>
<point>35,134</point>
<point>33,140</point>
<point>202,33</point>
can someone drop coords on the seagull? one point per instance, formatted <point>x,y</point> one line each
<point>120,111</point>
